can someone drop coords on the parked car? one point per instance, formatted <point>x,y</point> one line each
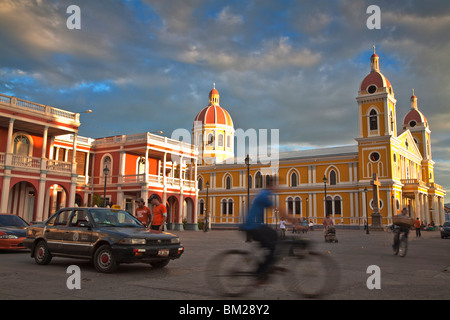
<point>445,230</point>
<point>12,231</point>
<point>106,236</point>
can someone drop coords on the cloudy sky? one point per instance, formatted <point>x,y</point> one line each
<point>296,66</point>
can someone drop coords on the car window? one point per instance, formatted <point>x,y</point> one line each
<point>116,218</point>
<point>62,218</point>
<point>12,221</point>
<point>78,217</point>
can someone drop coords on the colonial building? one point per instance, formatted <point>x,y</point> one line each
<point>337,181</point>
<point>45,165</point>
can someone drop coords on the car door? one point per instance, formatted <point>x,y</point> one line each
<point>55,230</point>
<point>77,240</point>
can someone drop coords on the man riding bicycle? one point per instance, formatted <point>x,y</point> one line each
<point>400,229</point>
<point>266,236</point>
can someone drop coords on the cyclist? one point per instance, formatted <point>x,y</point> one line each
<point>399,229</point>
<point>265,235</point>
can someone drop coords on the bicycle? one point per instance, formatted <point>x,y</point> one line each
<point>307,273</point>
<point>400,241</point>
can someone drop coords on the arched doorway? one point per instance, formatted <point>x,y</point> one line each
<point>22,200</point>
<point>172,206</point>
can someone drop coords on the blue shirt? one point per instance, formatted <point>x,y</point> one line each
<point>255,218</point>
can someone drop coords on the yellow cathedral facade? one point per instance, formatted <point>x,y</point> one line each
<point>338,181</point>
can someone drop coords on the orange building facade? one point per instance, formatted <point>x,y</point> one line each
<point>45,165</point>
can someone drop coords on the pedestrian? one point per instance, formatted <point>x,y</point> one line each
<point>283,228</point>
<point>143,213</point>
<point>159,213</point>
<point>327,222</point>
<point>304,225</point>
<point>417,226</point>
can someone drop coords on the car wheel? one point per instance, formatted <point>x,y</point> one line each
<point>42,255</point>
<point>104,260</point>
<point>159,264</point>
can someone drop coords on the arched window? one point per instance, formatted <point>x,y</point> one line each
<point>200,184</point>
<point>373,120</point>
<point>228,182</point>
<point>227,207</point>
<point>220,140</point>
<point>21,145</point>
<point>201,207</point>
<point>294,180</point>
<point>268,180</point>
<point>258,180</point>
<point>210,141</point>
<point>337,205</point>
<point>298,206</point>
<point>230,207</point>
<point>107,163</point>
<point>140,165</point>
<point>329,206</point>
<point>294,206</point>
<point>332,177</point>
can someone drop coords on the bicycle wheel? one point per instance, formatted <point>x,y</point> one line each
<point>312,275</point>
<point>403,246</point>
<point>231,273</point>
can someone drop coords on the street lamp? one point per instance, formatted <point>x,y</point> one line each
<point>105,173</point>
<point>367,212</point>
<point>247,162</point>
<point>325,188</point>
<point>207,206</point>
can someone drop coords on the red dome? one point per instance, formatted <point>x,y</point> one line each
<point>414,115</point>
<point>214,114</point>
<point>375,78</point>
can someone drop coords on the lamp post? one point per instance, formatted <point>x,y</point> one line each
<point>207,206</point>
<point>105,173</point>
<point>367,212</point>
<point>247,162</point>
<point>325,189</point>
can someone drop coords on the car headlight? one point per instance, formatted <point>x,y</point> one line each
<point>132,241</point>
<point>9,236</point>
<point>175,240</point>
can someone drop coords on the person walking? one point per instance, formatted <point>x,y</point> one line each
<point>417,226</point>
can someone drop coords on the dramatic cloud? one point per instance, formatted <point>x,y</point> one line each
<point>148,65</point>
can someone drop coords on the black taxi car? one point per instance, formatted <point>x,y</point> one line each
<point>106,236</point>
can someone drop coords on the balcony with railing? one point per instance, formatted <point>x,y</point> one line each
<point>37,108</point>
<point>16,161</point>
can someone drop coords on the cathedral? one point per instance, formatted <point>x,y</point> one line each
<point>389,163</point>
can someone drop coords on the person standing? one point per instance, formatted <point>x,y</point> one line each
<point>327,222</point>
<point>143,213</point>
<point>159,213</point>
<point>417,226</point>
<point>283,228</point>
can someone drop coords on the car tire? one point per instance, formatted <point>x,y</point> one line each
<point>42,254</point>
<point>104,259</point>
<point>160,264</point>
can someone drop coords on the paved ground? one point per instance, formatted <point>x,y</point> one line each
<point>423,274</point>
